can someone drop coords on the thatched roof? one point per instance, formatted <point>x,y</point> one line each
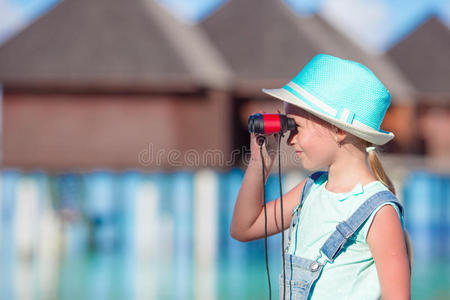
<point>109,44</point>
<point>137,45</point>
<point>263,40</point>
<point>259,39</point>
<point>424,57</point>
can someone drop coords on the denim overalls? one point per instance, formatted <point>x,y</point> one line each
<point>302,273</point>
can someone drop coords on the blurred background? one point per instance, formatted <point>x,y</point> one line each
<point>124,137</point>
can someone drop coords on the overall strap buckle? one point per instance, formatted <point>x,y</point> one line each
<point>320,260</point>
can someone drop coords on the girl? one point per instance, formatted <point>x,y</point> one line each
<point>346,233</point>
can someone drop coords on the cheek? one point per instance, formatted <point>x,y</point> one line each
<point>308,139</point>
<point>316,146</point>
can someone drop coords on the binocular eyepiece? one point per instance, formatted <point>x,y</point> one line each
<point>268,124</point>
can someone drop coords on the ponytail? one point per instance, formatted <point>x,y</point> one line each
<point>380,174</point>
<point>378,171</point>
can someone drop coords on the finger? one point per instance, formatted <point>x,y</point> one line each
<point>254,112</point>
<point>254,137</point>
<point>262,136</point>
<point>261,139</point>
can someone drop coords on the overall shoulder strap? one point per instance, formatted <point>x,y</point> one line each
<point>344,230</point>
<point>308,184</point>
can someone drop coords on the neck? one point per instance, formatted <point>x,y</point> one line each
<point>348,169</point>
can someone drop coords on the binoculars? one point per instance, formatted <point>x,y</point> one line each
<point>267,124</point>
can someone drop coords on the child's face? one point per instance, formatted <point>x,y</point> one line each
<point>313,140</point>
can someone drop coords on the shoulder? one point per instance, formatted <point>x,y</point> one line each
<point>387,198</point>
<point>391,205</point>
<point>379,194</point>
<point>385,231</point>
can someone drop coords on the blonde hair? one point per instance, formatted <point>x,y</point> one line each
<point>380,174</point>
<point>378,171</point>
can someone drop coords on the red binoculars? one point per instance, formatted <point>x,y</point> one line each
<point>270,123</point>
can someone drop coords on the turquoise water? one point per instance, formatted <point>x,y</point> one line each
<point>431,280</point>
<point>113,276</point>
<point>134,235</point>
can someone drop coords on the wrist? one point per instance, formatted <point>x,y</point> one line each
<point>255,165</point>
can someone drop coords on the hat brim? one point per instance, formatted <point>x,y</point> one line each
<point>364,132</point>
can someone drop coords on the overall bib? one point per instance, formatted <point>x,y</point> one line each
<point>302,273</point>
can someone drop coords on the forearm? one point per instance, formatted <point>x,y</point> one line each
<point>249,201</point>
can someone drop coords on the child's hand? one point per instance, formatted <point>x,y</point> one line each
<point>270,147</point>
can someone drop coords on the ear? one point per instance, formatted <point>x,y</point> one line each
<point>340,134</point>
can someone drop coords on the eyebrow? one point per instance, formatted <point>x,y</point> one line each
<point>298,113</point>
<point>292,115</point>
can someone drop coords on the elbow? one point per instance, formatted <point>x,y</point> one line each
<point>239,236</point>
<point>402,296</point>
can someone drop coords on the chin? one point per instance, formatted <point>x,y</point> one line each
<point>313,167</point>
<point>307,167</point>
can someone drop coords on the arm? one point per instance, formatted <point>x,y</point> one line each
<point>387,244</point>
<point>248,216</point>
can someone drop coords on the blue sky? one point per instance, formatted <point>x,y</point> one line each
<point>377,25</point>
<point>17,14</point>
<point>374,24</point>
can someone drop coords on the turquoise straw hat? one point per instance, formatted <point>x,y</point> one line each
<point>342,92</point>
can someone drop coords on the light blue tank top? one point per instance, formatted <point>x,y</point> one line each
<point>353,274</point>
